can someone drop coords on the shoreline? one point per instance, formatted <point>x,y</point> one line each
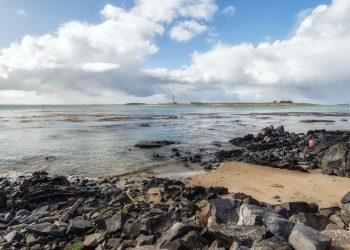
<point>266,183</point>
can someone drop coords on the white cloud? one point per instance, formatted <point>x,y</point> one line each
<point>104,62</point>
<point>186,30</point>
<point>312,64</point>
<point>229,10</point>
<point>21,12</point>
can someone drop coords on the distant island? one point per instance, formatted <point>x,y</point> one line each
<point>135,103</point>
<point>241,104</point>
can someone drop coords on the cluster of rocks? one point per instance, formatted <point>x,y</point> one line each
<point>278,148</point>
<point>43,212</point>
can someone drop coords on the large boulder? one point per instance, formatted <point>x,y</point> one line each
<point>223,211</point>
<point>278,225</point>
<point>307,238</point>
<point>336,160</point>
<point>297,207</point>
<point>116,222</point>
<point>315,221</point>
<point>78,226</point>
<point>194,240</point>
<point>340,238</point>
<point>252,215</point>
<point>45,229</point>
<point>245,235</point>
<point>177,231</point>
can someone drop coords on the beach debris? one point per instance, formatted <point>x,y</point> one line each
<point>71,210</point>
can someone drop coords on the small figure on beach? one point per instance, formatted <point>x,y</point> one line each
<point>312,143</point>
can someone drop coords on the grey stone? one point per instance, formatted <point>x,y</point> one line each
<point>278,225</point>
<point>194,240</point>
<point>22,213</point>
<point>315,221</point>
<point>252,215</point>
<point>336,160</point>
<point>307,238</point>
<point>245,235</point>
<point>45,229</point>
<point>30,240</point>
<point>14,236</point>
<point>145,240</point>
<point>116,222</point>
<point>223,211</point>
<point>175,245</point>
<point>275,243</point>
<point>78,226</point>
<point>346,198</point>
<point>177,231</point>
<point>340,238</point>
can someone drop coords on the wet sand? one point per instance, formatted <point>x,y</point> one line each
<point>274,186</point>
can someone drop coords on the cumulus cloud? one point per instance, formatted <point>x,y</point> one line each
<point>104,62</point>
<point>311,65</point>
<point>186,30</point>
<point>94,58</point>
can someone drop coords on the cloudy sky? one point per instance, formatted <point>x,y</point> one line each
<point>121,51</point>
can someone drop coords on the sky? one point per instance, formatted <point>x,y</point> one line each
<point>104,52</point>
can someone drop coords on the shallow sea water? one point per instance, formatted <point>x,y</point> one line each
<point>98,140</point>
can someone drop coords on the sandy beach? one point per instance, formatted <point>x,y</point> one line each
<point>274,186</point>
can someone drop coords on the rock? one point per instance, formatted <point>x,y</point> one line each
<point>327,212</point>
<point>275,243</point>
<point>14,236</point>
<point>336,160</point>
<point>252,215</point>
<point>153,144</point>
<point>298,207</point>
<point>216,246</point>
<point>236,246</point>
<point>30,240</point>
<point>278,225</point>
<point>114,243</point>
<point>340,238</point>
<point>132,228</point>
<point>92,240</point>
<point>22,212</point>
<point>3,199</point>
<point>194,240</point>
<point>223,211</point>
<point>177,230</point>
<point>145,240</point>
<point>337,220</point>
<point>245,235</point>
<point>203,215</point>
<point>78,226</point>
<point>345,213</point>
<point>267,131</point>
<point>116,222</point>
<point>307,238</point>
<point>157,224</point>
<point>346,198</point>
<point>45,229</point>
<point>315,221</point>
<point>333,226</point>
<point>175,245</point>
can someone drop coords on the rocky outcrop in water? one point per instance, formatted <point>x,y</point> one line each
<point>156,213</point>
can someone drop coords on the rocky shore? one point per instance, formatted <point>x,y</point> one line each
<point>278,148</point>
<point>55,212</point>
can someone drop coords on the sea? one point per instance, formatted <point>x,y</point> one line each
<point>99,140</point>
